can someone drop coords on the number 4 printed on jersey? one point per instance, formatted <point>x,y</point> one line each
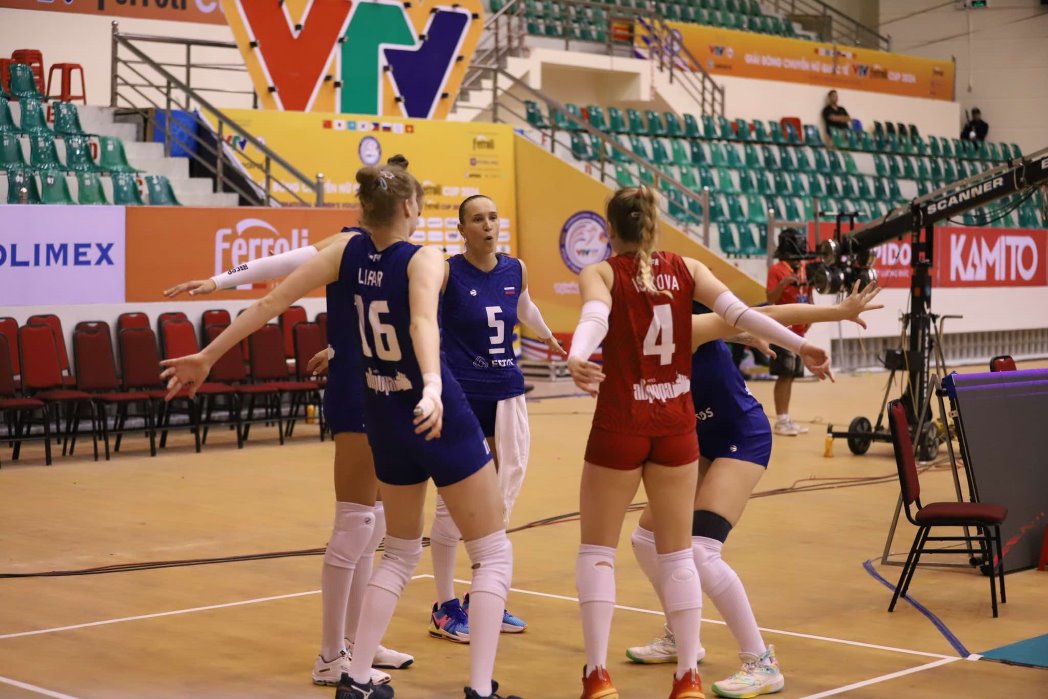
<point>659,340</point>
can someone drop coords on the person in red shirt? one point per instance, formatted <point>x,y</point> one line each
<point>639,303</point>
<point>787,284</point>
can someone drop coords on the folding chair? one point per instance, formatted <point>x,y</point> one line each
<point>984,517</point>
<point>309,339</point>
<point>288,319</point>
<point>269,368</point>
<point>55,324</point>
<point>18,412</point>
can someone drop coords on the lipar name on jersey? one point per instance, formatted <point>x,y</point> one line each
<point>662,282</point>
<point>369,277</point>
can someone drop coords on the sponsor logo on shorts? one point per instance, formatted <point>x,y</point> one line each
<point>584,240</point>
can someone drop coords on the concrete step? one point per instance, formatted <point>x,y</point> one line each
<point>222,199</point>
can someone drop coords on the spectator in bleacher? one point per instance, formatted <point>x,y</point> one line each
<point>834,115</point>
<point>976,129</point>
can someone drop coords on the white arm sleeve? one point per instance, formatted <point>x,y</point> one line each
<point>531,316</point>
<point>265,268</point>
<point>739,315</point>
<point>592,327</point>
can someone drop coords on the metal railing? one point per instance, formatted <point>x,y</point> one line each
<point>677,202</point>
<point>503,36</point>
<point>146,88</point>
<point>672,57</point>
<point>830,24</point>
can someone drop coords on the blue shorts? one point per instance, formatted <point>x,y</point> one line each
<point>344,399</point>
<point>745,438</point>
<point>485,411</point>
<point>405,458</point>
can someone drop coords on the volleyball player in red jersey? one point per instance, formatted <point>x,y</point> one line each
<point>638,302</point>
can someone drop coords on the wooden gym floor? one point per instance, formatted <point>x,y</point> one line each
<point>252,628</point>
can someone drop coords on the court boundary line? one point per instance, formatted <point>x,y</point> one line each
<point>34,688</point>
<point>884,678</point>
<point>424,576</point>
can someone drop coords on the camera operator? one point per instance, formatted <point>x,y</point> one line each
<point>787,284</point>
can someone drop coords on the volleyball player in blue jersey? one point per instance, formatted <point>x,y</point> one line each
<point>485,293</point>
<point>418,422</point>
<point>735,444</point>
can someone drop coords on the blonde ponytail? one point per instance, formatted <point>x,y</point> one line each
<point>633,212</point>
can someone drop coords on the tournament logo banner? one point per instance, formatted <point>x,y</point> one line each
<point>381,57</point>
<point>452,160</point>
<point>201,11</point>
<point>765,57</point>
<point>584,240</point>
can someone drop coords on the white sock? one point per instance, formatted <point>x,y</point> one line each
<point>682,601</point>
<point>443,545</point>
<point>782,418</point>
<point>725,590</point>
<point>647,556</point>
<point>595,581</point>
<point>362,574</point>
<point>350,534</point>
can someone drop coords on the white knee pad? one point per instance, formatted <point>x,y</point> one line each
<point>681,589</point>
<point>595,574</point>
<point>380,530</point>
<point>397,565</point>
<point>492,558</point>
<point>444,531</point>
<point>352,531</point>
<point>643,542</point>
<point>715,574</point>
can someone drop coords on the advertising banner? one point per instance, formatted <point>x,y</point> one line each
<point>965,256</point>
<point>452,160</point>
<point>766,57</point>
<point>166,246</point>
<point>403,59</point>
<point>202,11</point>
<point>61,255</point>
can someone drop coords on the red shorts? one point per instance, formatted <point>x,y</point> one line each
<point>629,451</point>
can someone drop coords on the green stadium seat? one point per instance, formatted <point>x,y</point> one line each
<point>783,184</point>
<point>573,110</point>
<point>670,13</point>
<point>803,164</point>
<point>862,187</point>
<point>596,117</point>
<point>923,172</point>
<point>698,153</point>
<point>636,124</point>
<point>765,184</point>
<point>579,147</point>
<point>734,159</point>
<point>742,130</point>
<point>615,121</point>
<point>111,155</point>
<point>551,10</point>
<point>793,136</point>
<point>833,190</point>
<point>7,122</point>
<point>54,188</point>
<point>1028,216</point>
<point>880,192</point>
<point>893,190</point>
<point>22,84</point>
<point>32,119</point>
<point>908,170</point>
<point>681,156</point>
<point>880,165</point>
<point>847,186</point>
<point>18,178</point>
<point>726,238</point>
<point>724,130</point>
<point>67,119</point>
<point>89,188</point>
<point>560,122</point>
<point>78,154</point>
<point>849,163</point>
<point>619,154</point>
<point>791,212</point>
<point>769,158</point>
<point>11,155</point>
<point>639,148</point>
<point>655,125</point>
<point>125,190</point>
<point>839,138</point>
<point>735,211</point>
<point>726,183</point>
<point>709,127</point>
<point>817,185</point>
<point>691,127</point>
<point>756,209</point>
<point>760,131</point>
<point>798,184</point>
<point>730,6</point>
<point>822,164</point>
<point>716,209</point>
<point>785,158</point>
<point>599,150</point>
<point>533,113</point>
<point>42,152</point>
<point>812,137</point>
<point>934,149</point>
<point>775,133</point>
<point>624,176</point>
<point>689,177</point>
<point>660,155</point>
<point>752,156</point>
<point>673,127</point>
<point>718,158</point>
<point>713,18</point>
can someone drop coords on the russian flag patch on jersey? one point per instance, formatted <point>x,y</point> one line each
<point>509,290</point>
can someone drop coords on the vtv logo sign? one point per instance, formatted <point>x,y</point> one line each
<point>376,57</point>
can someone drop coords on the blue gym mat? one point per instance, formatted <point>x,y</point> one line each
<point>1032,652</point>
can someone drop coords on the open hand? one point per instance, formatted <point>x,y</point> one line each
<point>185,372</point>
<point>196,287</point>
<point>817,361</point>
<point>859,302</point>
<point>586,374</point>
<point>319,363</point>
<point>429,417</point>
<point>554,346</point>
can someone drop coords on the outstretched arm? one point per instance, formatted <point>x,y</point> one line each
<point>190,371</point>
<point>708,327</point>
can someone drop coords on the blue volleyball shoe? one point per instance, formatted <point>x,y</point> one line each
<point>449,621</point>
<point>510,623</point>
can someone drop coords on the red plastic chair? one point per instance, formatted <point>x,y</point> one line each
<point>131,319</point>
<point>179,340</point>
<point>18,412</point>
<point>42,377</point>
<point>140,366</point>
<point>214,316</point>
<point>5,76</point>
<point>96,374</point>
<point>35,60</point>
<point>66,71</point>
<point>1003,362</point>
<point>269,368</point>
<point>309,339</point>
<point>55,323</point>
<point>984,517</point>
<point>9,329</point>
<point>288,320</point>
<point>322,322</point>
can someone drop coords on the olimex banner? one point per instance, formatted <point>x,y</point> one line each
<point>749,55</point>
<point>452,160</point>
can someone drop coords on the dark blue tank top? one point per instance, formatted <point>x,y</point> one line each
<point>717,387</point>
<point>342,321</point>
<point>478,318</point>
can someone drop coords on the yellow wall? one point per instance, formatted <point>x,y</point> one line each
<point>549,192</point>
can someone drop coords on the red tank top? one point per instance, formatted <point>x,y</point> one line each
<point>647,352</point>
